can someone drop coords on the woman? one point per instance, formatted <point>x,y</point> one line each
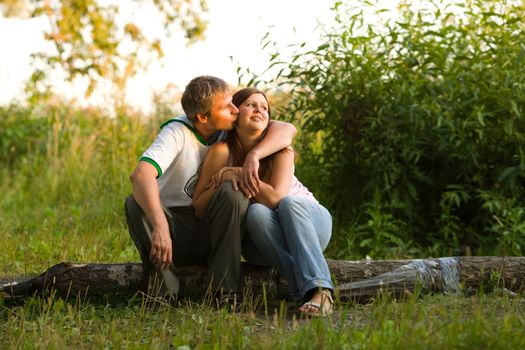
<point>286,226</point>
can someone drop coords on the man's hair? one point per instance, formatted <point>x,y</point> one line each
<point>199,94</point>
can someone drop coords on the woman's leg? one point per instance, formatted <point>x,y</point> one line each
<point>265,244</point>
<point>307,228</point>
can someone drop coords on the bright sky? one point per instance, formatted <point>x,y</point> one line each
<point>235,30</point>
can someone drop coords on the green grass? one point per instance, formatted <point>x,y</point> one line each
<point>63,179</point>
<point>486,321</point>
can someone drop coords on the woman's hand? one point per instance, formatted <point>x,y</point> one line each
<point>234,176</point>
<point>227,174</point>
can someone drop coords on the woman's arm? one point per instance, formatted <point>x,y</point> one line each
<point>272,191</point>
<point>216,159</point>
<point>279,136</point>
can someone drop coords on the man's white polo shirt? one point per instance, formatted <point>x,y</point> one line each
<point>177,153</point>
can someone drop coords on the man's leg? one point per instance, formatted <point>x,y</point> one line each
<point>184,232</point>
<point>225,222</point>
<point>138,232</point>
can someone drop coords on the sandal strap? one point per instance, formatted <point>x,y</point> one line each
<point>311,303</point>
<point>319,307</point>
<point>328,294</point>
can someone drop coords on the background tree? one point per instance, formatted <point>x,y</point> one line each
<point>91,41</point>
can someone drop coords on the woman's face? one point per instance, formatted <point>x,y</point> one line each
<point>253,113</point>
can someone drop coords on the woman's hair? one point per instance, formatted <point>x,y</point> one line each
<point>199,94</point>
<point>237,153</point>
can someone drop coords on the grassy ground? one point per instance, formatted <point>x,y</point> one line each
<point>484,321</point>
<point>63,180</point>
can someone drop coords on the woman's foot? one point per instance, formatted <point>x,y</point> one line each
<point>321,304</point>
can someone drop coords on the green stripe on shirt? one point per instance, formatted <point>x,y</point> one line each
<point>154,163</point>
<point>197,135</point>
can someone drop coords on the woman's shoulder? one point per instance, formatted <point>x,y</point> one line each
<point>220,148</point>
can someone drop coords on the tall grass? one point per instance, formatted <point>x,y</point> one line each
<point>63,180</point>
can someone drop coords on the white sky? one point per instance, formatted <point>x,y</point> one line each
<point>235,29</point>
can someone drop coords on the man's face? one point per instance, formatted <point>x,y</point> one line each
<point>223,113</point>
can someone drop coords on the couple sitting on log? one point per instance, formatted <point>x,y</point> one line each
<point>219,182</point>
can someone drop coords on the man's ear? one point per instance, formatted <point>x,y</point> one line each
<point>202,118</point>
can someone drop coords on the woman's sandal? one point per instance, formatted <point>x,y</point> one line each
<point>321,309</point>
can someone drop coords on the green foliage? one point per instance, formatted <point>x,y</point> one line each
<point>63,178</point>
<point>92,40</point>
<point>20,135</point>
<point>413,129</point>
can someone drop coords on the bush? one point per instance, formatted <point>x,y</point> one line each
<point>415,127</point>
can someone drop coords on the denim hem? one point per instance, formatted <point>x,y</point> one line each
<point>315,283</point>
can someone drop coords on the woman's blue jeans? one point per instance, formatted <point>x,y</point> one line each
<point>292,239</point>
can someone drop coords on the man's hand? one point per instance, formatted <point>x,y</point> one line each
<point>161,249</point>
<point>250,182</point>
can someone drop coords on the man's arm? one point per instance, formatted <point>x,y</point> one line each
<point>146,193</point>
<point>279,135</point>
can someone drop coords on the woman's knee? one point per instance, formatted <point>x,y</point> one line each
<point>291,205</point>
<point>324,237</point>
<point>261,225</point>
<point>258,215</point>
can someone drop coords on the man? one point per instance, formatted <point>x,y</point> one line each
<point>160,218</point>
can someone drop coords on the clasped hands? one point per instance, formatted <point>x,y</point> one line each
<point>245,178</point>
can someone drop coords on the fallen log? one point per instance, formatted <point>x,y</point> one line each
<point>355,280</point>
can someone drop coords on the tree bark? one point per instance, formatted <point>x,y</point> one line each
<point>355,280</point>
